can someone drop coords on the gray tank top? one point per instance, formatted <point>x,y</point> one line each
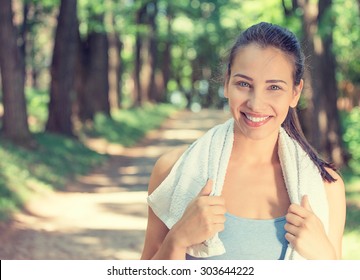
<point>250,239</point>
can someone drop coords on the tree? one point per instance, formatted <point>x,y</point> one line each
<point>152,51</point>
<point>320,118</point>
<point>166,54</point>
<point>115,68</point>
<point>93,64</point>
<point>63,70</point>
<point>140,15</point>
<point>15,125</point>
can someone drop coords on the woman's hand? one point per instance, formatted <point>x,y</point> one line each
<point>306,233</point>
<point>202,219</point>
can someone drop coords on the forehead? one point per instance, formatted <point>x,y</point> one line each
<point>266,62</point>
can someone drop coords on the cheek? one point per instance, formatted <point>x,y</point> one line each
<point>237,97</point>
<point>282,107</point>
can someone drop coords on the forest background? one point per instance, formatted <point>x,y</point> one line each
<point>71,70</point>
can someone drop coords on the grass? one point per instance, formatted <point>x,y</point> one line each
<point>59,159</point>
<point>25,172</point>
<point>351,240</point>
<point>129,126</point>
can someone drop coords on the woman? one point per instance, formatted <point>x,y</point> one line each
<point>254,215</point>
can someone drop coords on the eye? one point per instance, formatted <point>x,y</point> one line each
<point>274,87</point>
<point>243,84</point>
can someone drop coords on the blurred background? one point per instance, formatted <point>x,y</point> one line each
<point>83,82</point>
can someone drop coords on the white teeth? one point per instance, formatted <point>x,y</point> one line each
<point>254,119</point>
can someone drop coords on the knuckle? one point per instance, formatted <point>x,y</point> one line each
<point>200,201</point>
<point>288,216</point>
<point>208,221</point>
<point>286,227</point>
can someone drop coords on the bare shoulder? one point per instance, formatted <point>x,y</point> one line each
<point>163,167</point>
<point>338,184</point>
<point>335,190</point>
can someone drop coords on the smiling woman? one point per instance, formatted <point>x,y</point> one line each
<point>260,90</point>
<point>251,188</point>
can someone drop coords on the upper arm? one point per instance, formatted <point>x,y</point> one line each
<point>337,211</point>
<point>156,230</point>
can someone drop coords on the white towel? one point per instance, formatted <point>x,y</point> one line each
<point>208,157</point>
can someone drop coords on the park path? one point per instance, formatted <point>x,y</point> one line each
<point>102,215</point>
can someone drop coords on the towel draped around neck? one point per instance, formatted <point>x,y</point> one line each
<point>208,157</point>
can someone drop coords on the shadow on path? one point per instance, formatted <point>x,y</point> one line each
<point>101,215</point>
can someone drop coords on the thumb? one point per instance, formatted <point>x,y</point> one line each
<point>305,203</point>
<point>206,190</point>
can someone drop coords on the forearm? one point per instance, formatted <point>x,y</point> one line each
<point>169,250</point>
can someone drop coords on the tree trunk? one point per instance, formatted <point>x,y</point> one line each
<point>139,96</point>
<point>15,126</point>
<point>92,82</point>
<point>137,68</point>
<point>63,70</point>
<point>166,55</point>
<point>81,107</point>
<point>324,130</point>
<point>115,48</point>
<point>327,65</point>
<point>152,54</point>
<point>97,80</point>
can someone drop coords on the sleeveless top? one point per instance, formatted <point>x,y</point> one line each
<point>251,239</point>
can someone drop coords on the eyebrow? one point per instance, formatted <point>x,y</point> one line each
<point>251,79</point>
<point>243,76</point>
<point>276,81</point>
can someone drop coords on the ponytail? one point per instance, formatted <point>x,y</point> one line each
<point>293,128</point>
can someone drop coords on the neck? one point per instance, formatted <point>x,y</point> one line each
<point>255,152</point>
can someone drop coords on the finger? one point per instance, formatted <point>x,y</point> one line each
<point>212,200</point>
<point>294,230</point>
<point>290,238</point>
<point>294,219</point>
<point>305,203</point>
<point>206,190</point>
<point>298,210</point>
<point>218,209</point>
<point>219,219</point>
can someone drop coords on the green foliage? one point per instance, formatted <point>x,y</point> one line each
<point>351,240</point>
<point>351,245</point>
<point>346,35</point>
<point>351,137</point>
<point>351,176</point>
<point>91,15</point>
<point>126,127</point>
<point>37,101</point>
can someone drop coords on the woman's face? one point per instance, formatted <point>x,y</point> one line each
<point>260,90</point>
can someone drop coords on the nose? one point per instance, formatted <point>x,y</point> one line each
<point>255,101</point>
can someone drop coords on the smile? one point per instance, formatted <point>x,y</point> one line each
<point>256,119</point>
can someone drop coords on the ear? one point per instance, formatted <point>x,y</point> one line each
<point>296,94</point>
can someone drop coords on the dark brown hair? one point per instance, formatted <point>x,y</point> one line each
<point>271,35</point>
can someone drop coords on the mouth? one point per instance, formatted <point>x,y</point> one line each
<point>255,121</point>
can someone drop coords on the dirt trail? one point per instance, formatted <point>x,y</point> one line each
<point>101,215</point>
